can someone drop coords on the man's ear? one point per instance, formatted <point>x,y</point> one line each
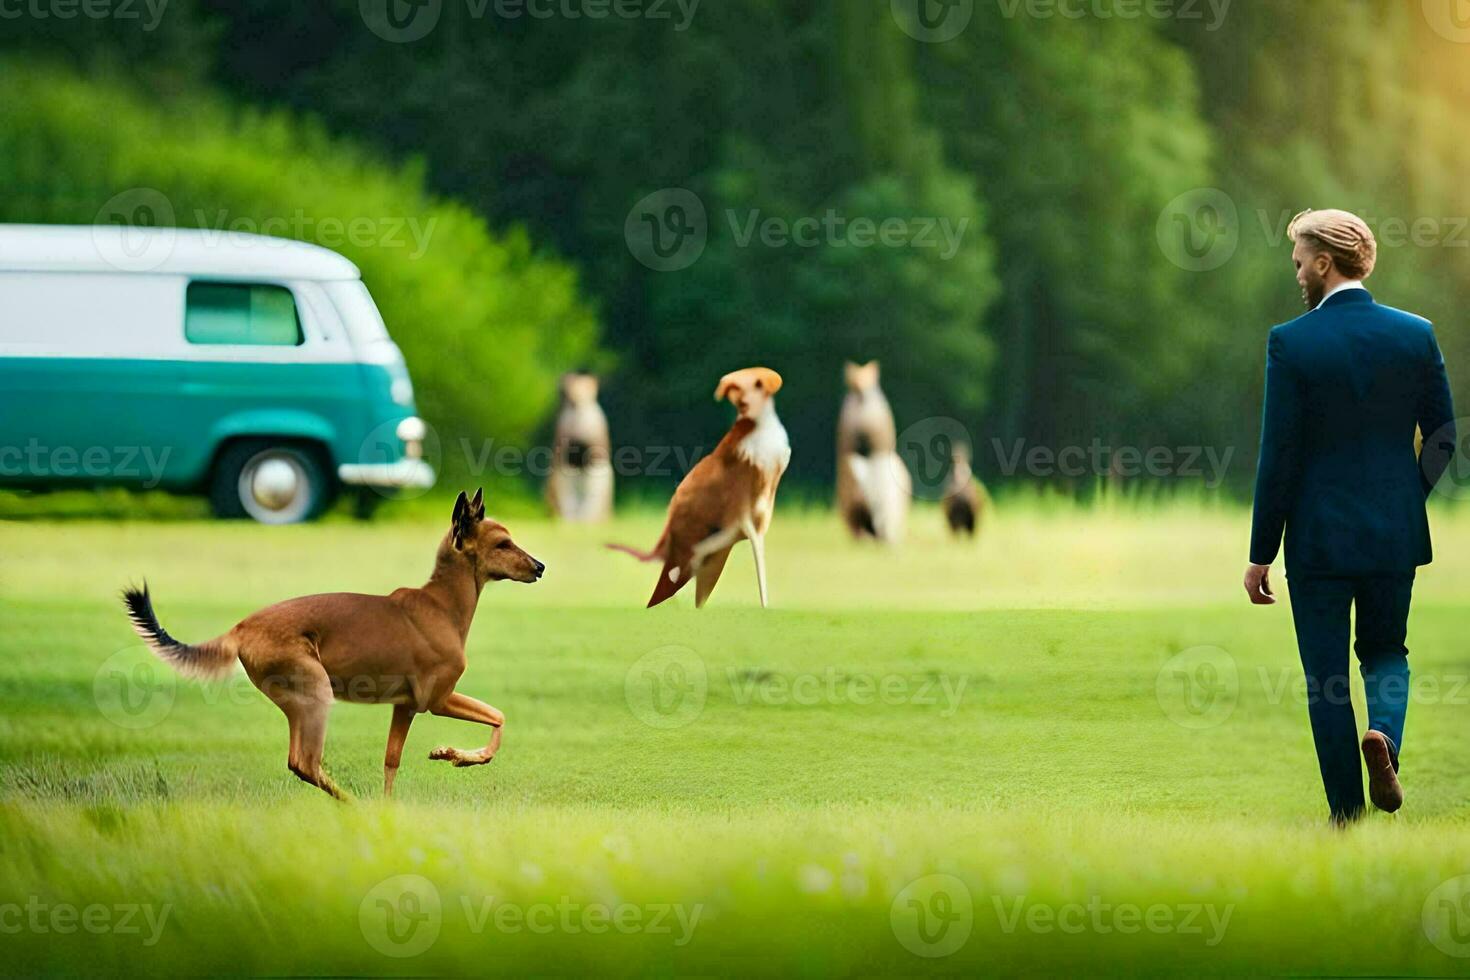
<point>460,521</point>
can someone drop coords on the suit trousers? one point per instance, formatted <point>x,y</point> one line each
<point>1322,608</point>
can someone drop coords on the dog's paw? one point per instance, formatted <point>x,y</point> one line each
<point>460,758</point>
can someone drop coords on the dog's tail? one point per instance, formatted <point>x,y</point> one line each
<point>656,554</point>
<point>203,662</point>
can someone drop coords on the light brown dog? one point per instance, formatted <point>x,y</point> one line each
<point>728,496</point>
<point>404,649</point>
<point>873,484</point>
<point>580,484</point>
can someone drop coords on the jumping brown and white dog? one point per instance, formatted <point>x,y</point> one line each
<point>580,485</point>
<point>405,649</point>
<point>728,496</point>
<point>873,484</point>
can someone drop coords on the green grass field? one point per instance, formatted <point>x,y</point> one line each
<point>1073,747</point>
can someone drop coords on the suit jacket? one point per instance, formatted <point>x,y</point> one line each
<point>1345,386</point>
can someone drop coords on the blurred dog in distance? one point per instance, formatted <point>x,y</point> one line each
<point>873,484</point>
<point>580,485</point>
<point>966,500</point>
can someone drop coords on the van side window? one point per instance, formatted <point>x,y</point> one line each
<point>229,313</point>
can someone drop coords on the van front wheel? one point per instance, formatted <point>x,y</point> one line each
<point>270,482</point>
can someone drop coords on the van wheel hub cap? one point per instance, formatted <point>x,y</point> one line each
<point>275,488</point>
<point>275,484</point>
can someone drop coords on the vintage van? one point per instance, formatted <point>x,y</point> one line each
<point>252,369</point>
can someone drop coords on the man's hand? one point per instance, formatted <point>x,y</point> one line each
<point>1258,585</point>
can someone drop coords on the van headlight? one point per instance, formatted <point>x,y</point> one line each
<point>411,432</point>
<point>401,391</point>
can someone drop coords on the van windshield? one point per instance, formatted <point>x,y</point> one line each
<point>359,313</point>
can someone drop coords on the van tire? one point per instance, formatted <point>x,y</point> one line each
<point>306,485</point>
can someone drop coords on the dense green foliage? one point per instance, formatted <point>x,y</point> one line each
<point>484,321</point>
<point>1084,156</point>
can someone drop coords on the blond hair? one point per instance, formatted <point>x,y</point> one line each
<point>1341,235</point>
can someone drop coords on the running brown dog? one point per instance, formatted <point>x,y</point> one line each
<point>404,649</point>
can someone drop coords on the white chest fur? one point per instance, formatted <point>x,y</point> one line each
<point>767,447</point>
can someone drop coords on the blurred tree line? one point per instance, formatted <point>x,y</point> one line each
<point>1123,186</point>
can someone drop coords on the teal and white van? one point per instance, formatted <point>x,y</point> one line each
<point>254,369</point>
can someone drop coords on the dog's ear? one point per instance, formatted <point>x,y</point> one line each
<point>460,523</point>
<point>477,505</point>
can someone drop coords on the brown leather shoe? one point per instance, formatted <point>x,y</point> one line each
<point>1383,783</point>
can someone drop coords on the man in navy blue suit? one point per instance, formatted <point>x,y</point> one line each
<point>1346,386</point>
